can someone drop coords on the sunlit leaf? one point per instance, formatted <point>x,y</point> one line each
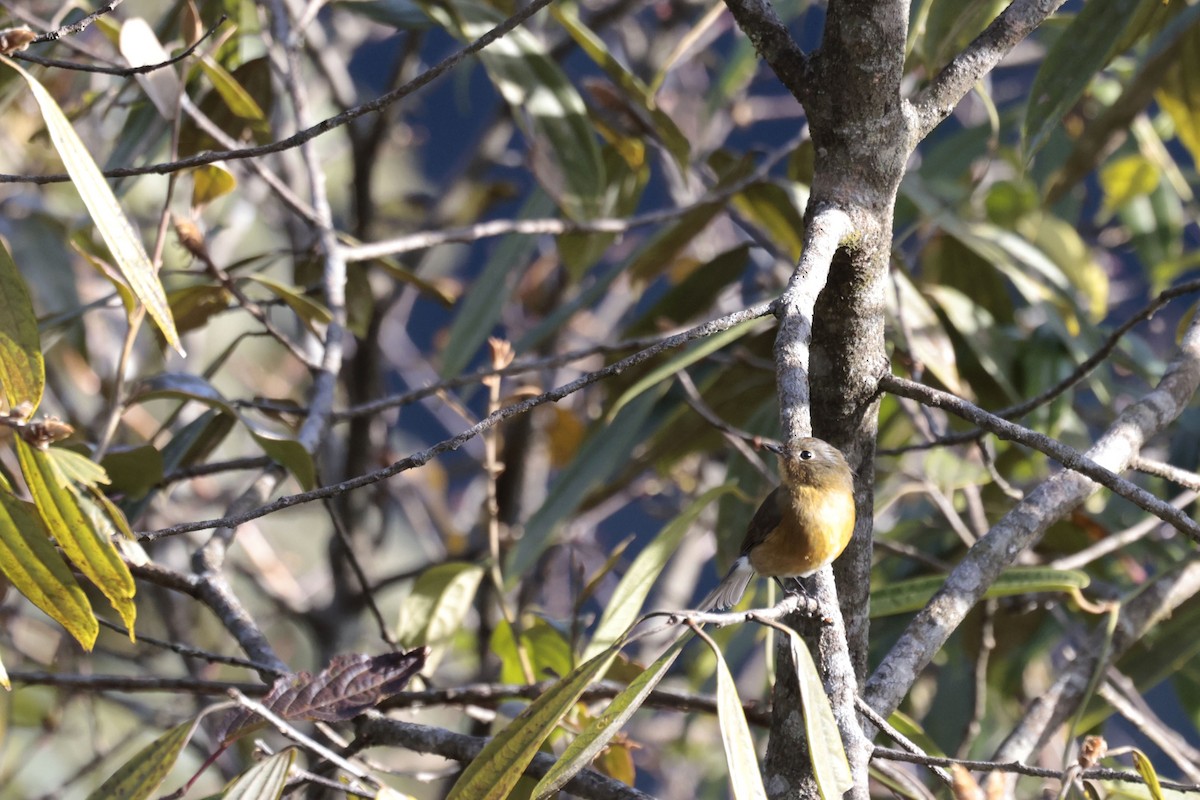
<point>744,775</point>
<point>32,564</point>
<point>66,520</point>
<point>696,352</point>
<point>265,781</point>
<point>567,158</point>
<point>900,597</point>
<point>831,770</point>
<point>209,182</point>
<point>434,610</point>
<point>116,230</point>
<point>1146,770</point>
<point>22,371</point>
<point>588,744</point>
<point>310,312</point>
<point>501,763</point>
<point>149,767</point>
<point>1126,178</point>
<point>239,100</point>
<point>141,48</point>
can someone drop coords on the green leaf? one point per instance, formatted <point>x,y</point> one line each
<point>115,228</point>
<point>911,595</point>
<point>684,360</point>
<point>67,521</point>
<point>1179,93</point>
<point>434,611</point>
<point>282,449</point>
<point>32,564</point>
<point>134,471</point>
<point>240,101</point>
<point>77,468</point>
<point>501,763</point>
<point>545,104</point>
<point>1125,178</point>
<point>145,772</point>
<point>740,755</point>
<point>310,312</point>
<point>209,182</point>
<point>626,602</point>
<point>22,370</point>
<point>1146,770</point>
<point>1074,59</point>
<point>630,84</point>
<point>588,744</point>
<point>930,344</point>
<point>831,770</point>
<point>264,781</point>
<point>778,211</point>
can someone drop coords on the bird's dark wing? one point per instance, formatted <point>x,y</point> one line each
<point>765,520</point>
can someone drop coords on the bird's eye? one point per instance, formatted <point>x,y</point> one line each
<point>806,455</point>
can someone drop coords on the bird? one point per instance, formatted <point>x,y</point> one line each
<point>801,526</point>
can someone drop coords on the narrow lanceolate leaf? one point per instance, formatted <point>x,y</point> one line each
<point>141,48</point>
<point>588,744</point>
<point>115,228</point>
<point>34,567</point>
<point>744,775</point>
<point>66,520</point>
<point>22,372</point>
<point>831,770</point>
<point>626,602</point>
<point>1074,59</point>
<point>498,767</point>
<point>265,781</point>
<point>1146,770</point>
<point>145,772</point>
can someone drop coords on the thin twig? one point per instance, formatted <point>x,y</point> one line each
<point>120,71</point>
<point>299,138</point>
<point>447,445</point>
<point>1096,773</point>
<point>1068,456</point>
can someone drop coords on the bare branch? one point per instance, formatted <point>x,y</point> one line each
<point>938,99</point>
<point>121,71</point>
<point>773,41</point>
<point>130,683</point>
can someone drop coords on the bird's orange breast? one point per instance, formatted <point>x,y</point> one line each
<point>814,528</point>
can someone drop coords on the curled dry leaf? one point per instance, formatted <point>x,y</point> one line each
<point>13,40</point>
<point>348,686</point>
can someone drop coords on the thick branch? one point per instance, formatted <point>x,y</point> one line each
<point>1006,31</point>
<point>1056,497</point>
<point>774,42</point>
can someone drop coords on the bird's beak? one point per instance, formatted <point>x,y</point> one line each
<point>774,447</point>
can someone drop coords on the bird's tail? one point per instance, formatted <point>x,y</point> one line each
<point>731,588</point>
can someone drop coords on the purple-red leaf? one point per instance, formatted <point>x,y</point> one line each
<point>348,686</point>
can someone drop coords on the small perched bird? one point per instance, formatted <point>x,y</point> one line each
<point>804,524</point>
